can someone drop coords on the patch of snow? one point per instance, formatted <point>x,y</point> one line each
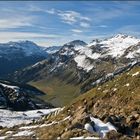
<point>15,88</point>
<point>54,122</point>
<point>114,89</point>
<point>35,114</point>
<point>23,133</point>
<point>78,47</point>
<point>9,132</point>
<point>52,49</point>
<point>88,53</point>
<point>49,124</point>
<point>136,73</point>
<point>92,44</point>
<point>105,91</point>
<point>67,52</point>
<point>101,127</point>
<point>3,137</point>
<point>133,54</point>
<point>11,118</point>
<point>29,127</point>
<point>82,62</point>
<point>91,138</point>
<point>60,64</point>
<point>99,88</point>
<point>89,128</point>
<point>127,85</point>
<point>77,138</point>
<point>38,63</point>
<point>84,138</point>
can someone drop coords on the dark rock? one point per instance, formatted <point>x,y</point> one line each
<point>20,97</point>
<point>134,125</point>
<point>85,120</point>
<point>113,135</point>
<point>76,125</point>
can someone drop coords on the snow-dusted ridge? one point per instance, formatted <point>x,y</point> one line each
<point>116,47</point>
<point>28,47</point>
<point>52,49</point>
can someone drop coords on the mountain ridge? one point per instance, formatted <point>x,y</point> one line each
<point>82,66</point>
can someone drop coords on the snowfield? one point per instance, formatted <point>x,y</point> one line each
<point>83,63</point>
<point>12,118</point>
<point>118,44</point>
<point>101,127</point>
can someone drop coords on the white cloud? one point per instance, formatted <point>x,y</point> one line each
<point>15,36</point>
<point>69,17</point>
<point>51,11</point>
<point>84,24</point>
<point>103,26</point>
<point>76,31</point>
<point>16,20</point>
<point>7,23</point>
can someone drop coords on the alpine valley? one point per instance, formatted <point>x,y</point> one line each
<point>75,91</point>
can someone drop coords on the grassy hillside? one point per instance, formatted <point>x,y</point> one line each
<point>58,92</point>
<point>118,98</point>
<point>116,101</point>
<point>122,94</point>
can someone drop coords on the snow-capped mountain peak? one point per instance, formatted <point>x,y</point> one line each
<point>115,47</point>
<point>52,49</point>
<point>16,55</point>
<point>75,43</point>
<point>27,47</point>
<point>93,42</point>
<point>120,35</point>
<point>70,48</point>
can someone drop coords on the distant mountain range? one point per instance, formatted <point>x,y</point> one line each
<point>17,55</point>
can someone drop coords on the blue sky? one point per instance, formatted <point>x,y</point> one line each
<point>55,23</point>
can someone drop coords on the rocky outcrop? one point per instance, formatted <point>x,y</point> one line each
<point>20,99</point>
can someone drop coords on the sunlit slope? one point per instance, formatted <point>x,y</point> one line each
<point>58,91</point>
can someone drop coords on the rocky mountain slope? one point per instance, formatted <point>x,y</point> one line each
<point>109,111</point>
<point>20,97</point>
<point>17,55</point>
<point>78,64</point>
<point>52,49</point>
